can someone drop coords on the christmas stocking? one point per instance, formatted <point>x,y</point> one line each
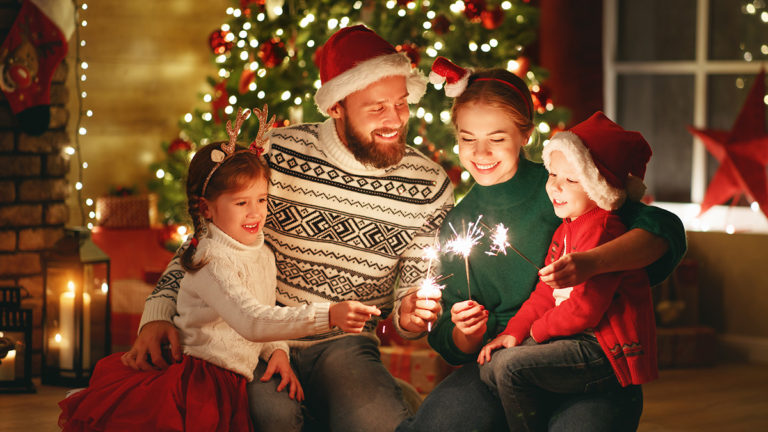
<point>30,54</point>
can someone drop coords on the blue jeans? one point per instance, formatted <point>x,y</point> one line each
<point>525,377</point>
<point>462,402</point>
<point>346,388</point>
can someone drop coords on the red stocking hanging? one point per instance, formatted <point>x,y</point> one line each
<point>30,54</point>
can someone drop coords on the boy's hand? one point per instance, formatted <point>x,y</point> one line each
<point>500,341</point>
<point>351,315</point>
<point>570,270</point>
<point>279,363</point>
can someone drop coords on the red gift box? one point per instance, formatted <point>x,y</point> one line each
<point>133,211</point>
<point>423,368</point>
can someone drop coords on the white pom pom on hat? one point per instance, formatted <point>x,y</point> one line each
<point>611,161</point>
<point>354,58</point>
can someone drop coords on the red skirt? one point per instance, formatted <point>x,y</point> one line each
<point>193,395</point>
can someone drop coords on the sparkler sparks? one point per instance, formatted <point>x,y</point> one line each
<point>463,244</point>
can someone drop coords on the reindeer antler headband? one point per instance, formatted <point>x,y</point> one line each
<point>257,146</point>
<point>456,80</point>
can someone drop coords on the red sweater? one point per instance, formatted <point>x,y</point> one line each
<point>616,306</point>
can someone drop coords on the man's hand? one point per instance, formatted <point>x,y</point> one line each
<point>416,314</point>
<point>500,341</point>
<point>570,270</point>
<point>351,315</point>
<point>279,363</point>
<point>146,353</point>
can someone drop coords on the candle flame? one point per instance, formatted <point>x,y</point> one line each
<point>57,338</point>
<point>71,286</point>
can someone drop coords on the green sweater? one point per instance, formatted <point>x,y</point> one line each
<point>502,283</point>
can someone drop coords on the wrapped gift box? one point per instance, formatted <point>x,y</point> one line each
<point>423,368</point>
<point>133,211</point>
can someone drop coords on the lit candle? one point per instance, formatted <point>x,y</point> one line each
<point>8,366</point>
<point>67,328</point>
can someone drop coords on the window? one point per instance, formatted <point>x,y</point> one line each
<point>669,64</point>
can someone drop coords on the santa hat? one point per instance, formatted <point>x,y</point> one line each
<point>611,161</point>
<point>356,57</point>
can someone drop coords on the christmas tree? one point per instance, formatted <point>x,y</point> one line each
<point>264,55</point>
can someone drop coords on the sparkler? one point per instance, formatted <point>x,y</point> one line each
<point>429,288</point>
<point>499,243</point>
<point>462,244</point>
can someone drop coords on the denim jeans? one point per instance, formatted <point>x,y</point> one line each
<point>346,388</point>
<point>524,377</point>
<point>462,402</point>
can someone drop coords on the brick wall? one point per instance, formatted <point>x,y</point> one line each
<point>33,188</point>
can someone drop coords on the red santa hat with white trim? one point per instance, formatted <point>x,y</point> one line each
<point>611,161</point>
<point>356,57</point>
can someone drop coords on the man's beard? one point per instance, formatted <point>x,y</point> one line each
<point>368,152</point>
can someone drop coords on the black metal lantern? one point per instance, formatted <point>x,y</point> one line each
<point>15,343</point>
<point>76,309</point>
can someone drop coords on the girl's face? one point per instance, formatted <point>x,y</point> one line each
<point>240,213</point>
<point>568,197</point>
<point>489,143</point>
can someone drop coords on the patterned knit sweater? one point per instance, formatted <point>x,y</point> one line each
<point>226,310</point>
<point>340,230</point>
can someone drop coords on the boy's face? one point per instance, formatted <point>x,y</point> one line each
<point>568,197</point>
<point>489,143</point>
<point>373,122</point>
<point>240,214</point>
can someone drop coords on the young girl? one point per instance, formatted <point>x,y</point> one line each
<point>493,117</point>
<point>596,335</point>
<point>226,313</point>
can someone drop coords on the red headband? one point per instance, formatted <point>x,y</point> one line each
<point>515,88</point>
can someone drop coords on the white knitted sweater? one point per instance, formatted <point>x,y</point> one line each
<point>340,230</point>
<point>226,310</point>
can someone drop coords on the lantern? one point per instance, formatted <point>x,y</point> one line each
<point>15,343</point>
<point>76,309</point>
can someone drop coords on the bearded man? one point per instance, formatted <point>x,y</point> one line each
<point>351,209</point>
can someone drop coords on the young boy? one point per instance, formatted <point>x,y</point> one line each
<point>596,335</point>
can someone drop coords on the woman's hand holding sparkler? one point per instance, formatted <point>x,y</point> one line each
<point>470,319</point>
<point>500,341</point>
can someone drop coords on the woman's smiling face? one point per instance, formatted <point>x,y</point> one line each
<point>489,143</point>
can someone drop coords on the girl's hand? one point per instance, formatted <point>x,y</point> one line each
<point>351,316</point>
<point>470,318</point>
<point>501,341</point>
<point>570,270</point>
<point>279,363</point>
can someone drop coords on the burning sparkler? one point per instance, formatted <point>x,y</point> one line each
<point>499,243</point>
<point>462,244</point>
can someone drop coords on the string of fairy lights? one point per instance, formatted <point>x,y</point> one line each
<point>85,206</point>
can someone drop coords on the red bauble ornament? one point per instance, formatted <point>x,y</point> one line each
<point>220,101</point>
<point>218,42</point>
<point>272,52</point>
<point>473,9</point>
<point>454,173</point>
<point>179,144</point>
<point>403,3</point>
<point>441,25</point>
<point>412,51</point>
<point>492,19</point>
<point>246,79</point>
<point>541,97</point>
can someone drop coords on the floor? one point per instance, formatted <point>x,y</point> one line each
<point>732,398</point>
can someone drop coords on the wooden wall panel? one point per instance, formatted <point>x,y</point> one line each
<point>147,64</point>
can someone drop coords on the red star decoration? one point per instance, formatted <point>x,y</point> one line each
<point>742,153</point>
